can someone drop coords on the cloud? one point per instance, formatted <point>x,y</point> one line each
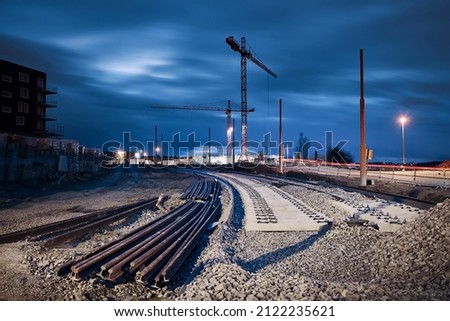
<point>112,60</point>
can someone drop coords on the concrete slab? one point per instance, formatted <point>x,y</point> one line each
<point>389,216</point>
<point>268,208</point>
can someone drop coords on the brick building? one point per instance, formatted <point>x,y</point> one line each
<point>23,102</point>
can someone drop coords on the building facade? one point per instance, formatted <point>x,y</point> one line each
<point>23,101</point>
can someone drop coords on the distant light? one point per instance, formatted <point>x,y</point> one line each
<point>230,130</point>
<point>137,155</point>
<point>157,149</point>
<point>403,120</point>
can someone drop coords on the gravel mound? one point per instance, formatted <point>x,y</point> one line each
<point>416,259</point>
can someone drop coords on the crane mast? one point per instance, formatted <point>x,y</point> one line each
<point>227,111</point>
<point>245,54</point>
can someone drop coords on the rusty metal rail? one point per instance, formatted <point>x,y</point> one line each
<point>101,255</point>
<point>200,189</point>
<point>91,226</point>
<point>156,250</point>
<point>65,225</point>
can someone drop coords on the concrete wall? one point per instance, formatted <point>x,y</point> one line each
<point>26,158</point>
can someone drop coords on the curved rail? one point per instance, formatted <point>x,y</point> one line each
<point>76,222</point>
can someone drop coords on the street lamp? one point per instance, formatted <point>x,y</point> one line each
<point>403,120</point>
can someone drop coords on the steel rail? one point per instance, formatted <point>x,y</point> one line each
<point>114,268</point>
<point>84,229</point>
<point>172,266</point>
<point>153,267</point>
<point>64,224</point>
<point>164,243</point>
<point>65,268</point>
<point>212,211</point>
<point>101,257</point>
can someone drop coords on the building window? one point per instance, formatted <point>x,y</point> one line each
<point>40,97</point>
<point>6,78</point>
<point>40,82</point>
<point>22,107</point>
<point>6,109</point>
<point>40,124</point>
<point>6,94</point>
<point>20,121</point>
<point>24,93</point>
<point>24,77</point>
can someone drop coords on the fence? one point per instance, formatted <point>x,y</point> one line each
<point>416,175</point>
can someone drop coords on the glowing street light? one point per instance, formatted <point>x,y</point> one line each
<point>403,120</point>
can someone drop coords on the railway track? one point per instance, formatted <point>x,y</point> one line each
<point>383,211</point>
<point>408,201</point>
<point>155,251</point>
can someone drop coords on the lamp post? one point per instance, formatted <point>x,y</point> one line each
<point>156,154</point>
<point>232,146</point>
<point>229,144</point>
<point>403,121</point>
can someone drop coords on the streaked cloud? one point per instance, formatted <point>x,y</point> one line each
<point>112,60</point>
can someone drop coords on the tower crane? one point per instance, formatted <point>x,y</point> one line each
<point>245,54</point>
<point>227,111</point>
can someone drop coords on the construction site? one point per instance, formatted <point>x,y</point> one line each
<point>137,224</point>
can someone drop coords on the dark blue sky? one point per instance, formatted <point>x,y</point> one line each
<point>112,60</point>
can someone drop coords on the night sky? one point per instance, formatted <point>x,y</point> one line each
<point>112,60</point>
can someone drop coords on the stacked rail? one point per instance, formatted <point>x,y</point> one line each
<point>155,251</point>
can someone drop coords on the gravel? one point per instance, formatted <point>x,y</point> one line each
<point>342,263</point>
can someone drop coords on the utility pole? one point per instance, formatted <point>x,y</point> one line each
<point>232,144</point>
<point>209,146</point>
<point>280,142</point>
<point>155,152</point>
<point>362,125</point>
<point>229,131</point>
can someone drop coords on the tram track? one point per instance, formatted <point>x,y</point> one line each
<point>322,186</point>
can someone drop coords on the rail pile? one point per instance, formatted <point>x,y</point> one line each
<point>155,251</point>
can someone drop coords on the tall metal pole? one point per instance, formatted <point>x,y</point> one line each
<point>162,149</point>
<point>229,131</point>
<point>232,145</point>
<point>209,146</point>
<point>155,154</point>
<point>362,146</point>
<point>243,102</point>
<point>403,143</point>
<point>280,140</point>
